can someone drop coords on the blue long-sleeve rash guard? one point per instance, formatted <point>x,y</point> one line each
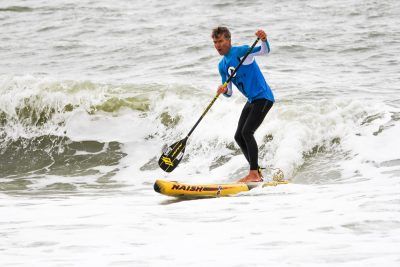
<point>248,79</point>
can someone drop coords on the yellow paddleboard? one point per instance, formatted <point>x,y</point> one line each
<point>176,189</point>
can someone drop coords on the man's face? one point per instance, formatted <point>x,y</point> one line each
<point>222,44</point>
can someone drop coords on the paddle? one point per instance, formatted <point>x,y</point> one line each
<point>172,155</point>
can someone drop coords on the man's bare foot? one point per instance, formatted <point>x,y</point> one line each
<point>253,176</point>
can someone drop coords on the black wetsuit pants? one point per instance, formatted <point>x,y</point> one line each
<point>251,118</point>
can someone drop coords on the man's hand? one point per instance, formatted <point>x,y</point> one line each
<point>222,89</point>
<point>262,35</point>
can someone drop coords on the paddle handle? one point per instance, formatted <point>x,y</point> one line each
<point>225,84</point>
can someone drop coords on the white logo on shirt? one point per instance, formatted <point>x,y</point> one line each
<point>231,70</point>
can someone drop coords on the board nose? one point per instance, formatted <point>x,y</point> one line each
<point>157,187</point>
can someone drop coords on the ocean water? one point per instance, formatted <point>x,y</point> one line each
<point>90,92</point>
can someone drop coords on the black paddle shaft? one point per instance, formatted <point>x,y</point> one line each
<point>226,83</point>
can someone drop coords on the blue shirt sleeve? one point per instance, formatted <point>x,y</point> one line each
<point>224,78</point>
<point>242,50</point>
<point>258,48</point>
<point>222,73</point>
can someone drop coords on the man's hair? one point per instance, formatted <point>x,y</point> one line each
<point>221,30</point>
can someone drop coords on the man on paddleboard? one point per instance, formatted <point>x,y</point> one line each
<point>250,81</point>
